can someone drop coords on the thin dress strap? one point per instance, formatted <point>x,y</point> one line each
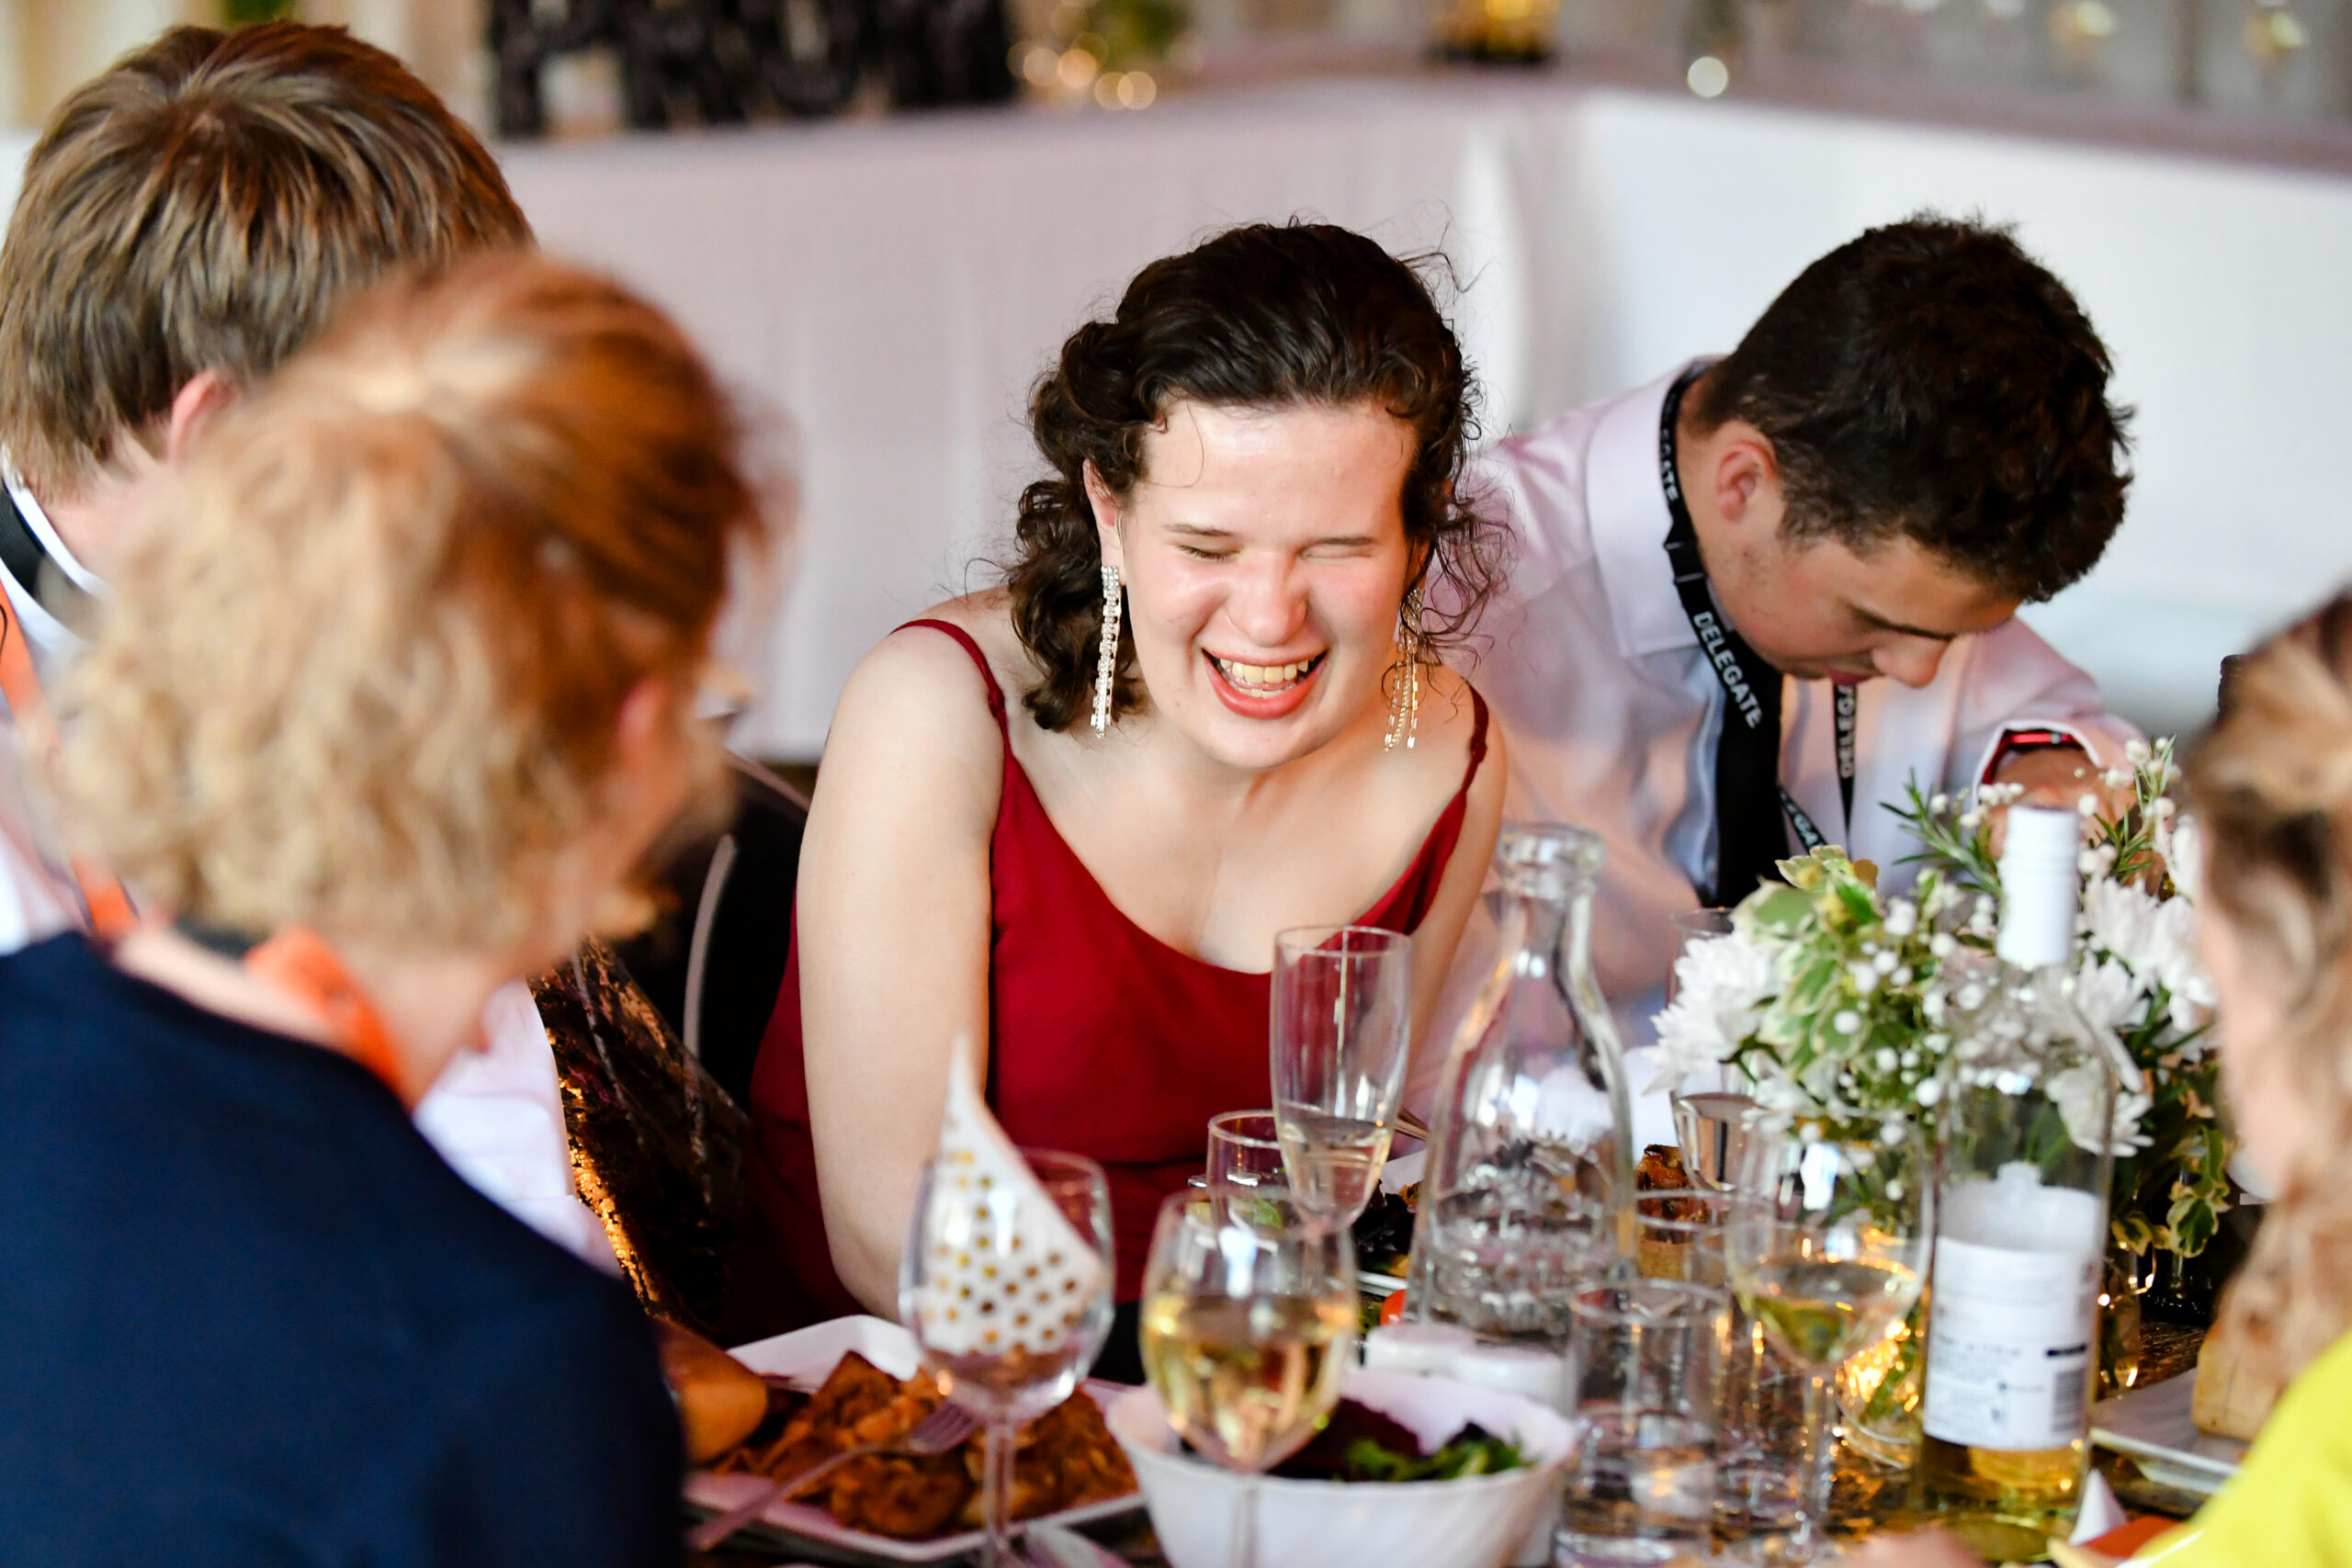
<point>996,692</point>
<point>1478,738</point>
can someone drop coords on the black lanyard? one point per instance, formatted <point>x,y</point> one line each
<point>1722,645</point>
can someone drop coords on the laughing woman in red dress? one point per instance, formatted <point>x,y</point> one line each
<point>1081,858</point>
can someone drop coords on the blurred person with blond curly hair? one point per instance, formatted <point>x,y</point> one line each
<point>394,692</point>
<point>190,217</point>
<point>2270,790</point>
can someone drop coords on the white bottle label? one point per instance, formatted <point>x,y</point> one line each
<point>2011,1338</point>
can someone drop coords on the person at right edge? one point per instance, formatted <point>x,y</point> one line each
<point>1715,570</point>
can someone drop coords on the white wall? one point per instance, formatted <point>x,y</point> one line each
<point>895,286</point>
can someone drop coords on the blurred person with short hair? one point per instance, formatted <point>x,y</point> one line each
<point>1715,572</point>
<point>190,217</point>
<point>395,688</point>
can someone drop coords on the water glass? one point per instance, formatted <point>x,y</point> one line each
<point>956,1222</point>
<point>1828,1246</point>
<point>1340,1031</point>
<point>1680,1235</point>
<point>1249,1328</point>
<point>1711,1126</point>
<point>1642,1364</point>
<point>1759,1393</point>
<point>1759,1473</point>
<point>1245,1150</point>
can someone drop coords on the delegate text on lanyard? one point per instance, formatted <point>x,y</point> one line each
<point>1719,642</point>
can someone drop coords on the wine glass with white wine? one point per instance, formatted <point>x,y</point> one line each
<point>1249,1328</point>
<point>1342,1021</point>
<point>1826,1245</point>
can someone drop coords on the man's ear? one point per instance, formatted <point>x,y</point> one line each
<point>1747,478</point>
<point>207,393</point>
<point>1106,518</point>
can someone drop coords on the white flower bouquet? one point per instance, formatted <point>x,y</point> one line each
<point>1822,1000</point>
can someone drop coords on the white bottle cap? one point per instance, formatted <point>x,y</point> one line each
<point>2041,888</point>
<point>1426,1348</point>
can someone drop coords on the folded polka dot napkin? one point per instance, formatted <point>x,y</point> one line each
<point>1007,1271</point>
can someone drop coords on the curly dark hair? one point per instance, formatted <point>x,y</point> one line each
<point>1931,379</point>
<point>1261,316</point>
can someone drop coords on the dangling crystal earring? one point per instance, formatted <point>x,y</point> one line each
<point>1405,707</point>
<point>1106,659</point>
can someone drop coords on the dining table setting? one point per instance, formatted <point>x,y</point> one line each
<point>1496,1332</point>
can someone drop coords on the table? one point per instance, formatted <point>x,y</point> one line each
<point>1865,1498</point>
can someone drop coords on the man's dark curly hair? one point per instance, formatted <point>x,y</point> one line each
<point>1263,316</point>
<point>1931,380</point>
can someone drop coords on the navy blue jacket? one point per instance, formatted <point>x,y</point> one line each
<point>248,1317</point>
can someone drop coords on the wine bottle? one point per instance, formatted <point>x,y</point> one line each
<point>2021,1221</point>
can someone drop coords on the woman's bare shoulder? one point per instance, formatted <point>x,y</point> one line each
<point>917,701</point>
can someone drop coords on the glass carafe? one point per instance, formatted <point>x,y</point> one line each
<point>1530,1180</point>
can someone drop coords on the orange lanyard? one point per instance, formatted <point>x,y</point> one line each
<point>298,963</point>
<point>102,897</point>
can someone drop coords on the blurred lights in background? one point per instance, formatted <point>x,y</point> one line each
<point>1076,74</point>
<point>2273,32</point>
<point>2270,59</point>
<point>564,67</point>
<point>1111,53</point>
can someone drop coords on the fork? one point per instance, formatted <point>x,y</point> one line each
<point>934,1434</point>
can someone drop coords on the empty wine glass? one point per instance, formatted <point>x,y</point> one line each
<point>1826,1245</point>
<point>1006,1321</point>
<point>1249,1327</point>
<point>1342,1021</point>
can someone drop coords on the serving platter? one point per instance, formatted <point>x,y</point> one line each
<point>2153,1426</point>
<point>804,1359</point>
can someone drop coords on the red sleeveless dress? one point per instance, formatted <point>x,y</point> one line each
<point>1102,1040</point>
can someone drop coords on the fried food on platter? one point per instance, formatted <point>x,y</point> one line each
<point>1065,1459</point>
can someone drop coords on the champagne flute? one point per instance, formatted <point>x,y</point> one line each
<point>1826,1245</point>
<point>1249,1327</point>
<point>1045,1336</point>
<point>1342,1021</point>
